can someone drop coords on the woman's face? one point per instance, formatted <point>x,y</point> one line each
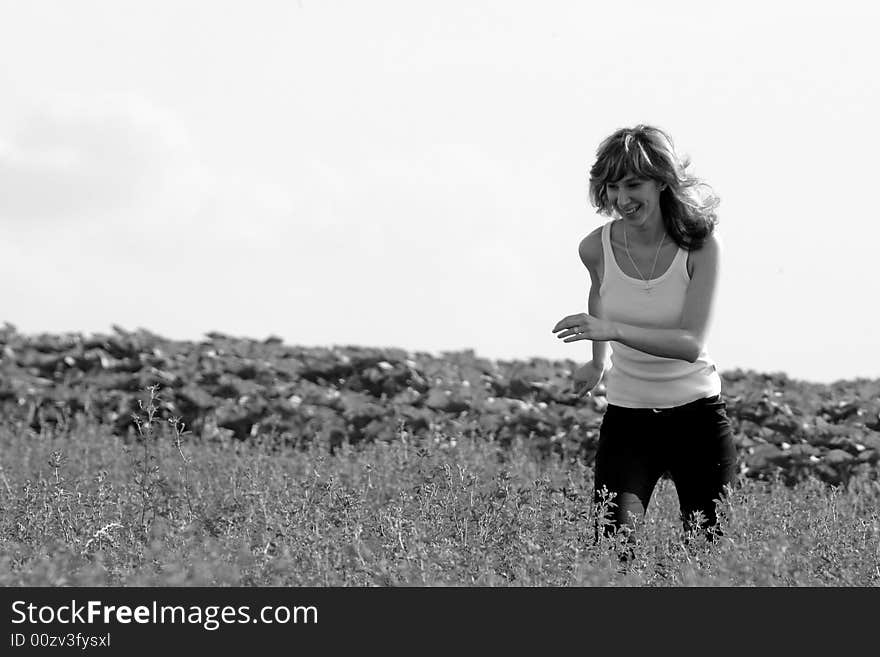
<point>637,200</point>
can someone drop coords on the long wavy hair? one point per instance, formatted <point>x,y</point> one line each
<point>687,204</point>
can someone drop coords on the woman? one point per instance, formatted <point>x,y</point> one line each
<point>654,269</point>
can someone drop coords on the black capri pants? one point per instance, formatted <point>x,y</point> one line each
<point>693,443</point>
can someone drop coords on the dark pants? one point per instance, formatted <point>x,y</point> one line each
<point>692,443</point>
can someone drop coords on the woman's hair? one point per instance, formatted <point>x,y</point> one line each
<point>687,203</point>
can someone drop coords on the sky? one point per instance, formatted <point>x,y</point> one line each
<point>414,174</point>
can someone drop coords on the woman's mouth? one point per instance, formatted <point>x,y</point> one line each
<point>630,210</point>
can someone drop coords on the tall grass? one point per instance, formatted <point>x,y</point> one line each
<point>81,506</point>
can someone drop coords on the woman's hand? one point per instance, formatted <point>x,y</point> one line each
<point>586,378</point>
<point>584,327</point>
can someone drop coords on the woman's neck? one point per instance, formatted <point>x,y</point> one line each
<point>649,234</point>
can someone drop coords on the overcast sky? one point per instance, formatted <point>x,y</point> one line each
<point>413,174</point>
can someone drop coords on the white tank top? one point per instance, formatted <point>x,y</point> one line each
<point>637,379</point>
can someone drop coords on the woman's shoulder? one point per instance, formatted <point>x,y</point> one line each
<point>590,248</point>
<point>710,247</point>
<point>707,255</point>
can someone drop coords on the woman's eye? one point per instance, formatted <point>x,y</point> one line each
<point>629,185</point>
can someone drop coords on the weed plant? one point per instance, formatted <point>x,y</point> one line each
<point>80,506</point>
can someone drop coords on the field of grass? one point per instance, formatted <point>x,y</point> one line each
<point>82,507</point>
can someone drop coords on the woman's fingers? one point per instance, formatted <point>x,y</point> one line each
<point>569,321</point>
<point>580,332</point>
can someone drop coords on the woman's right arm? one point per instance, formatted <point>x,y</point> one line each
<point>590,251</point>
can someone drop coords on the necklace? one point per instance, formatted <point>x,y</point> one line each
<point>656,255</point>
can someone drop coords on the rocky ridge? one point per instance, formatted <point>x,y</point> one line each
<point>237,388</point>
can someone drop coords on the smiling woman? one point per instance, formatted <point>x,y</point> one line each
<point>653,270</point>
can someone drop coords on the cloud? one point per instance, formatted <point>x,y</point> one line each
<point>118,177</point>
<point>125,171</point>
<point>73,158</point>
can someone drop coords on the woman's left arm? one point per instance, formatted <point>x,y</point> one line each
<point>685,342</point>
